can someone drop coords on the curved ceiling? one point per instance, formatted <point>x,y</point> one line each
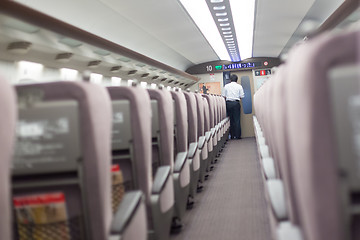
<point>162,29</point>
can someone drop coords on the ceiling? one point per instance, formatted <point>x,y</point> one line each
<point>162,29</point>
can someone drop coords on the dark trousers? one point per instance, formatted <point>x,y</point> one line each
<point>233,111</point>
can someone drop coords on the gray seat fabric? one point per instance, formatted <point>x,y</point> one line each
<point>133,152</point>
<point>7,137</point>
<point>93,134</point>
<point>181,171</point>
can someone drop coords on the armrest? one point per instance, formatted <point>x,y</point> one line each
<point>207,136</point>
<point>217,128</point>
<point>269,167</point>
<point>212,132</point>
<point>192,150</point>
<point>162,174</point>
<point>201,142</point>
<point>287,230</point>
<point>277,198</point>
<point>264,151</point>
<point>125,212</point>
<point>180,161</point>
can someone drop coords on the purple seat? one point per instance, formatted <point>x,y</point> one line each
<point>131,149</point>
<point>203,146</point>
<point>7,137</point>
<point>312,141</point>
<point>163,146</point>
<point>193,150</point>
<point>68,125</point>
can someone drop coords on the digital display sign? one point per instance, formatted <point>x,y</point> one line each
<point>233,66</point>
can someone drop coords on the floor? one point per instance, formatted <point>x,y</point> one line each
<point>232,204</point>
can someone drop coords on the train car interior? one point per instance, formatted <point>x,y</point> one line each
<point>117,120</point>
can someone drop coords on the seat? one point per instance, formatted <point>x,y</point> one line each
<point>318,186</point>
<point>7,137</point>
<point>213,149</point>
<point>186,115</point>
<point>208,138</point>
<point>193,141</point>
<point>203,146</point>
<point>163,149</point>
<point>62,166</point>
<point>131,150</point>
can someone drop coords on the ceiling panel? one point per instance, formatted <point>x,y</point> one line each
<point>275,23</point>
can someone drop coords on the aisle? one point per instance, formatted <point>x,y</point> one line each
<point>232,205</point>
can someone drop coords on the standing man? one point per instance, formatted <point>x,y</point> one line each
<point>233,92</point>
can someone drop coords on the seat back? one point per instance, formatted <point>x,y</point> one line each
<point>192,117</point>
<point>180,121</point>
<point>162,127</point>
<point>7,137</point>
<point>131,138</point>
<point>62,161</point>
<point>200,114</point>
<point>311,135</point>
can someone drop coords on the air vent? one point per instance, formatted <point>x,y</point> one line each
<point>170,81</point>
<point>19,47</point>
<point>181,84</point>
<point>163,80</point>
<point>63,57</point>
<point>115,69</point>
<point>94,64</point>
<point>155,77</point>
<point>145,75</point>
<point>132,72</point>
<point>177,82</point>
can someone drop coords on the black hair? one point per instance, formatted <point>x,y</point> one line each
<point>233,78</point>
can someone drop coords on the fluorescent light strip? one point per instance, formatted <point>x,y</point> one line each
<point>200,13</point>
<point>223,19</point>
<point>216,1</point>
<point>228,36</point>
<point>223,14</point>
<point>230,32</point>
<point>243,16</point>
<point>218,8</point>
<point>226,29</point>
<point>224,24</point>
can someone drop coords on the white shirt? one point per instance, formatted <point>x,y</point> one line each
<point>233,91</point>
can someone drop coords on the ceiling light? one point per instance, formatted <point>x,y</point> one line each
<point>223,14</point>
<point>229,41</point>
<point>223,19</point>
<point>96,78</point>
<point>226,29</point>
<point>115,81</point>
<point>124,59</point>
<point>217,8</point>
<point>216,1</point>
<point>228,36</point>
<point>68,74</point>
<point>200,13</point>
<point>243,13</point>
<point>227,32</point>
<point>224,24</point>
